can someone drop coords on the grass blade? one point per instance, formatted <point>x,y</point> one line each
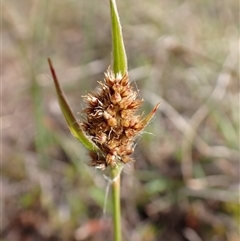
<point>72,122</point>
<point>118,50</point>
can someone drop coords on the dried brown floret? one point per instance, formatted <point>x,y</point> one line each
<point>111,121</point>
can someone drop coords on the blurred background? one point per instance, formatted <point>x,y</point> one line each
<point>184,185</point>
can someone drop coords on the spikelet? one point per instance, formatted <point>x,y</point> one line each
<point>112,121</point>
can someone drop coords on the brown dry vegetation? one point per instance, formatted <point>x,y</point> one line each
<point>184,185</point>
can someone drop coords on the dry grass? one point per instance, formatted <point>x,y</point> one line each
<point>185,182</point>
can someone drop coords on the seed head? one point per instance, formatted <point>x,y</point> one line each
<point>111,120</point>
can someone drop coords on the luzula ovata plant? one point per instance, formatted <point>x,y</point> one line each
<point>112,120</point>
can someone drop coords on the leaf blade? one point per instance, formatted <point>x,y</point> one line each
<point>148,118</point>
<point>72,122</point>
<point>119,56</point>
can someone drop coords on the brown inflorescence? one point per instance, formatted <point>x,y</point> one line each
<point>111,120</point>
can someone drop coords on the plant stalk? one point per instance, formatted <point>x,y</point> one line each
<point>116,180</point>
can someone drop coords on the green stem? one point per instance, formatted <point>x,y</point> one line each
<point>115,173</point>
<point>119,66</point>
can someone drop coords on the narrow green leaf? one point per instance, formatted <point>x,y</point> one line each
<point>72,122</point>
<point>118,50</point>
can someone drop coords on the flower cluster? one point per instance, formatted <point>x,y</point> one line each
<point>111,120</point>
